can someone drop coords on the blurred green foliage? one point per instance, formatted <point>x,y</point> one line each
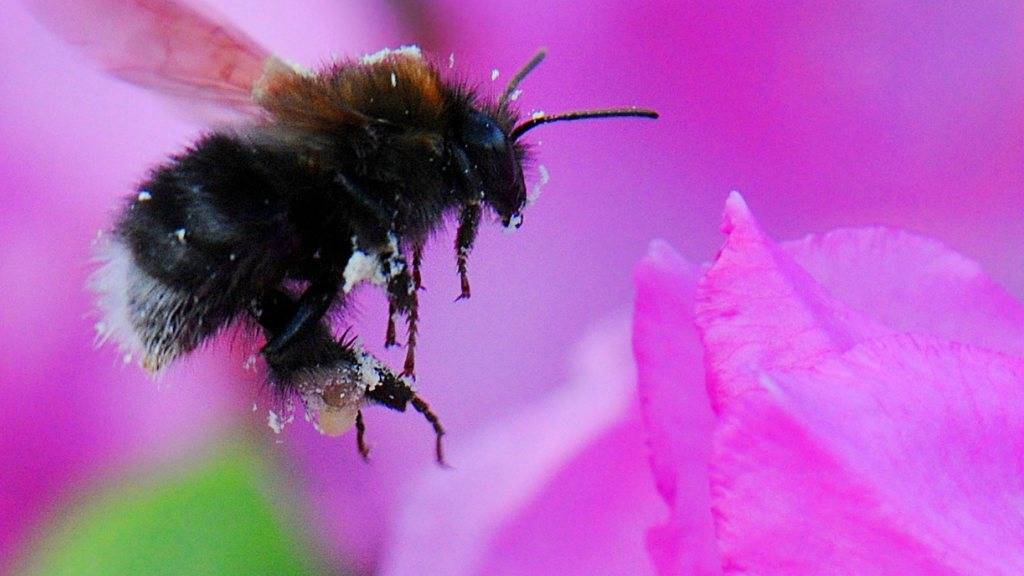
<point>213,518</point>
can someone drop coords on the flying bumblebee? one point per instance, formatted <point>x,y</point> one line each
<point>323,180</point>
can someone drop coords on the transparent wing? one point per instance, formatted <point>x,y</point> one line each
<point>178,50</point>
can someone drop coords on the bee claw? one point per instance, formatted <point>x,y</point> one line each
<point>364,448</point>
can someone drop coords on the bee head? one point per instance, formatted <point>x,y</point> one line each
<point>490,154</point>
<point>494,158</point>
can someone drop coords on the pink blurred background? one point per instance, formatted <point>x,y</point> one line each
<point>823,114</point>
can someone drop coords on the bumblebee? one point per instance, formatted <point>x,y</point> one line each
<point>323,180</point>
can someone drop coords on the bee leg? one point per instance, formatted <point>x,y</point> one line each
<point>364,448</point>
<point>402,298</point>
<point>398,299</point>
<point>417,259</point>
<point>413,315</point>
<point>469,217</point>
<point>423,408</point>
<point>395,393</point>
<point>311,308</point>
<point>400,289</point>
<point>469,222</point>
<point>412,333</point>
<point>390,338</point>
<point>273,313</point>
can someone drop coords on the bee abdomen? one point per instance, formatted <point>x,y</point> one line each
<point>207,212</point>
<point>205,235</point>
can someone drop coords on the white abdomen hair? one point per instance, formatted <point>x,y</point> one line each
<point>147,319</point>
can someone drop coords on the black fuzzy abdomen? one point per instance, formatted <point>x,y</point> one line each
<point>213,218</point>
<point>208,235</point>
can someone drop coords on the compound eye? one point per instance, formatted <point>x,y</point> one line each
<point>481,131</point>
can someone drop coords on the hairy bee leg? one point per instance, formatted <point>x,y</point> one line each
<point>412,335</point>
<point>390,338</point>
<point>412,307</point>
<point>469,216</point>
<point>402,298</point>
<point>469,223</point>
<point>417,259</point>
<point>385,218</point>
<point>312,306</point>
<point>423,408</point>
<point>413,314</point>
<point>399,292</point>
<point>364,448</point>
<point>273,313</point>
<point>397,393</point>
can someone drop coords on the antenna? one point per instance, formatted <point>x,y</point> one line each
<point>523,72</point>
<point>537,120</point>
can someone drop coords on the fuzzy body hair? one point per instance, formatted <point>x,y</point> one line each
<point>346,173</point>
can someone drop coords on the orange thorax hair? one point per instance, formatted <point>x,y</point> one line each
<point>396,87</point>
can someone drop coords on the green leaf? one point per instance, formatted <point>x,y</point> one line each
<point>212,519</point>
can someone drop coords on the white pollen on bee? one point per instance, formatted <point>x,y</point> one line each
<point>515,94</point>
<point>362,266</point>
<point>537,114</point>
<point>232,256</point>
<point>300,69</point>
<point>535,192</point>
<point>369,371</point>
<point>494,74</point>
<point>180,234</point>
<point>394,80</point>
<point>410,51</point>
<point>144,196</point>
<point>514,223</point>
<point>277,422</point>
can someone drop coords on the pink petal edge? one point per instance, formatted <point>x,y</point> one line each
<point>757,309</point>
<point>913,284</point>
<point>760,307</point>
<point>677,411</point>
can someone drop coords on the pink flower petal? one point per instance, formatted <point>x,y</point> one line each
<point>769,307</point>
<point>677,411</point>
<point>758,309</point>
<point>902,456</point>
<point>561,486</point>
<point>914,284</point>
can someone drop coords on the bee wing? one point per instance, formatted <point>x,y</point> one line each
<point>175,49</point>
